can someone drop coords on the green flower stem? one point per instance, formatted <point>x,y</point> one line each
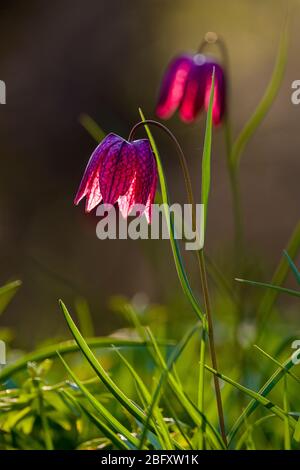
<point>42,412</point>
<point>201,385</point>
<point>211,341</point>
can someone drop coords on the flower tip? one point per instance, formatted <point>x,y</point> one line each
<point>87,209</point>
<point>78,197</point>
<point>161,113</point>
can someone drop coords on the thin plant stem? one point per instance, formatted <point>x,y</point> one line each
<point>287,437</point>
<point>43,417</point>
<point>211,341</point>
<point>201,262</point>
<point>201,384</point>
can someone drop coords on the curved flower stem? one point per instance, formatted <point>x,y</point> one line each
<point>182,159</point>
<point>207,324</point>
<point>214,39</point>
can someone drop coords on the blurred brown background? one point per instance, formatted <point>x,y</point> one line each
<point>62,58</point>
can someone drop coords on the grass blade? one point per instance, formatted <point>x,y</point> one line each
<point>266,102</point>
<point>278,279</point>
<point>195,414</point>
<point>264,391</point>
<point>166,368</point>
<point>64,348</point>
<point>118,427</point>
<point>292,266</point>
<point>287,436</point>
<point>7,292</point>
<point>291,374</point>
<point>162,430</point>
<point>92,127</point>
<point>257,397</point>
<point>128,404</point>
<point>206,158</point>
<point>270,286</point>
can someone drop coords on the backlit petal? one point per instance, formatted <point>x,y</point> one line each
<point>194,92</point>
<point>90,179</point>
<point>173,85</point>
<point>144,179</point>
<point>219,92</point>
<point>117,171</point>
<point>150,200</point>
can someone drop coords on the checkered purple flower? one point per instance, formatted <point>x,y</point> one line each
<point>120,172</point>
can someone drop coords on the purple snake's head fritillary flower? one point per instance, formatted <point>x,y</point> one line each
<point>120,172</point>
<point>186,87</point>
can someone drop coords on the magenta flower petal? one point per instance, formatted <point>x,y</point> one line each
<point>93,197</point>
<point>120,171</point>
<point>144,180</point>
<point>145,170</point>
<point>219,92</point>
<point>117,171</point>
<point>173,85</point>
<point>127,202</point>
<point>194,92</point>
<point>186,86</point>
<point>150,200</point>
<point>89,185</point>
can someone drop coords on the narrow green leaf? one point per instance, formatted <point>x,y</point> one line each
<point>296,435</point>
<point>195,414</point>
<point>257,397</point>
<point>291,374</point>
<point>264,391</point>
<point>43,415</point>
<point>7,292</point>
<point>292,266</point>
<point>106,430</point>
<point>206,158</point>
<point>266,102</point>
<point>64,348</point>
<point>287,436</point>
<point>84,317</point>
<point>278,279</point>
<point>118,427</point>
<point>257,424</point>
<point>166,369</point>
<point>162,429</point>
<point>270,286</point>
<point>92,127</point>
<point>128,404</point>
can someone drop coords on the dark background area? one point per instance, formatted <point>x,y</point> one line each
<point>105,58</point>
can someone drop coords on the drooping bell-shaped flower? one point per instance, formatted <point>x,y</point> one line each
<point>186,86</point>
<point>120,172</point>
